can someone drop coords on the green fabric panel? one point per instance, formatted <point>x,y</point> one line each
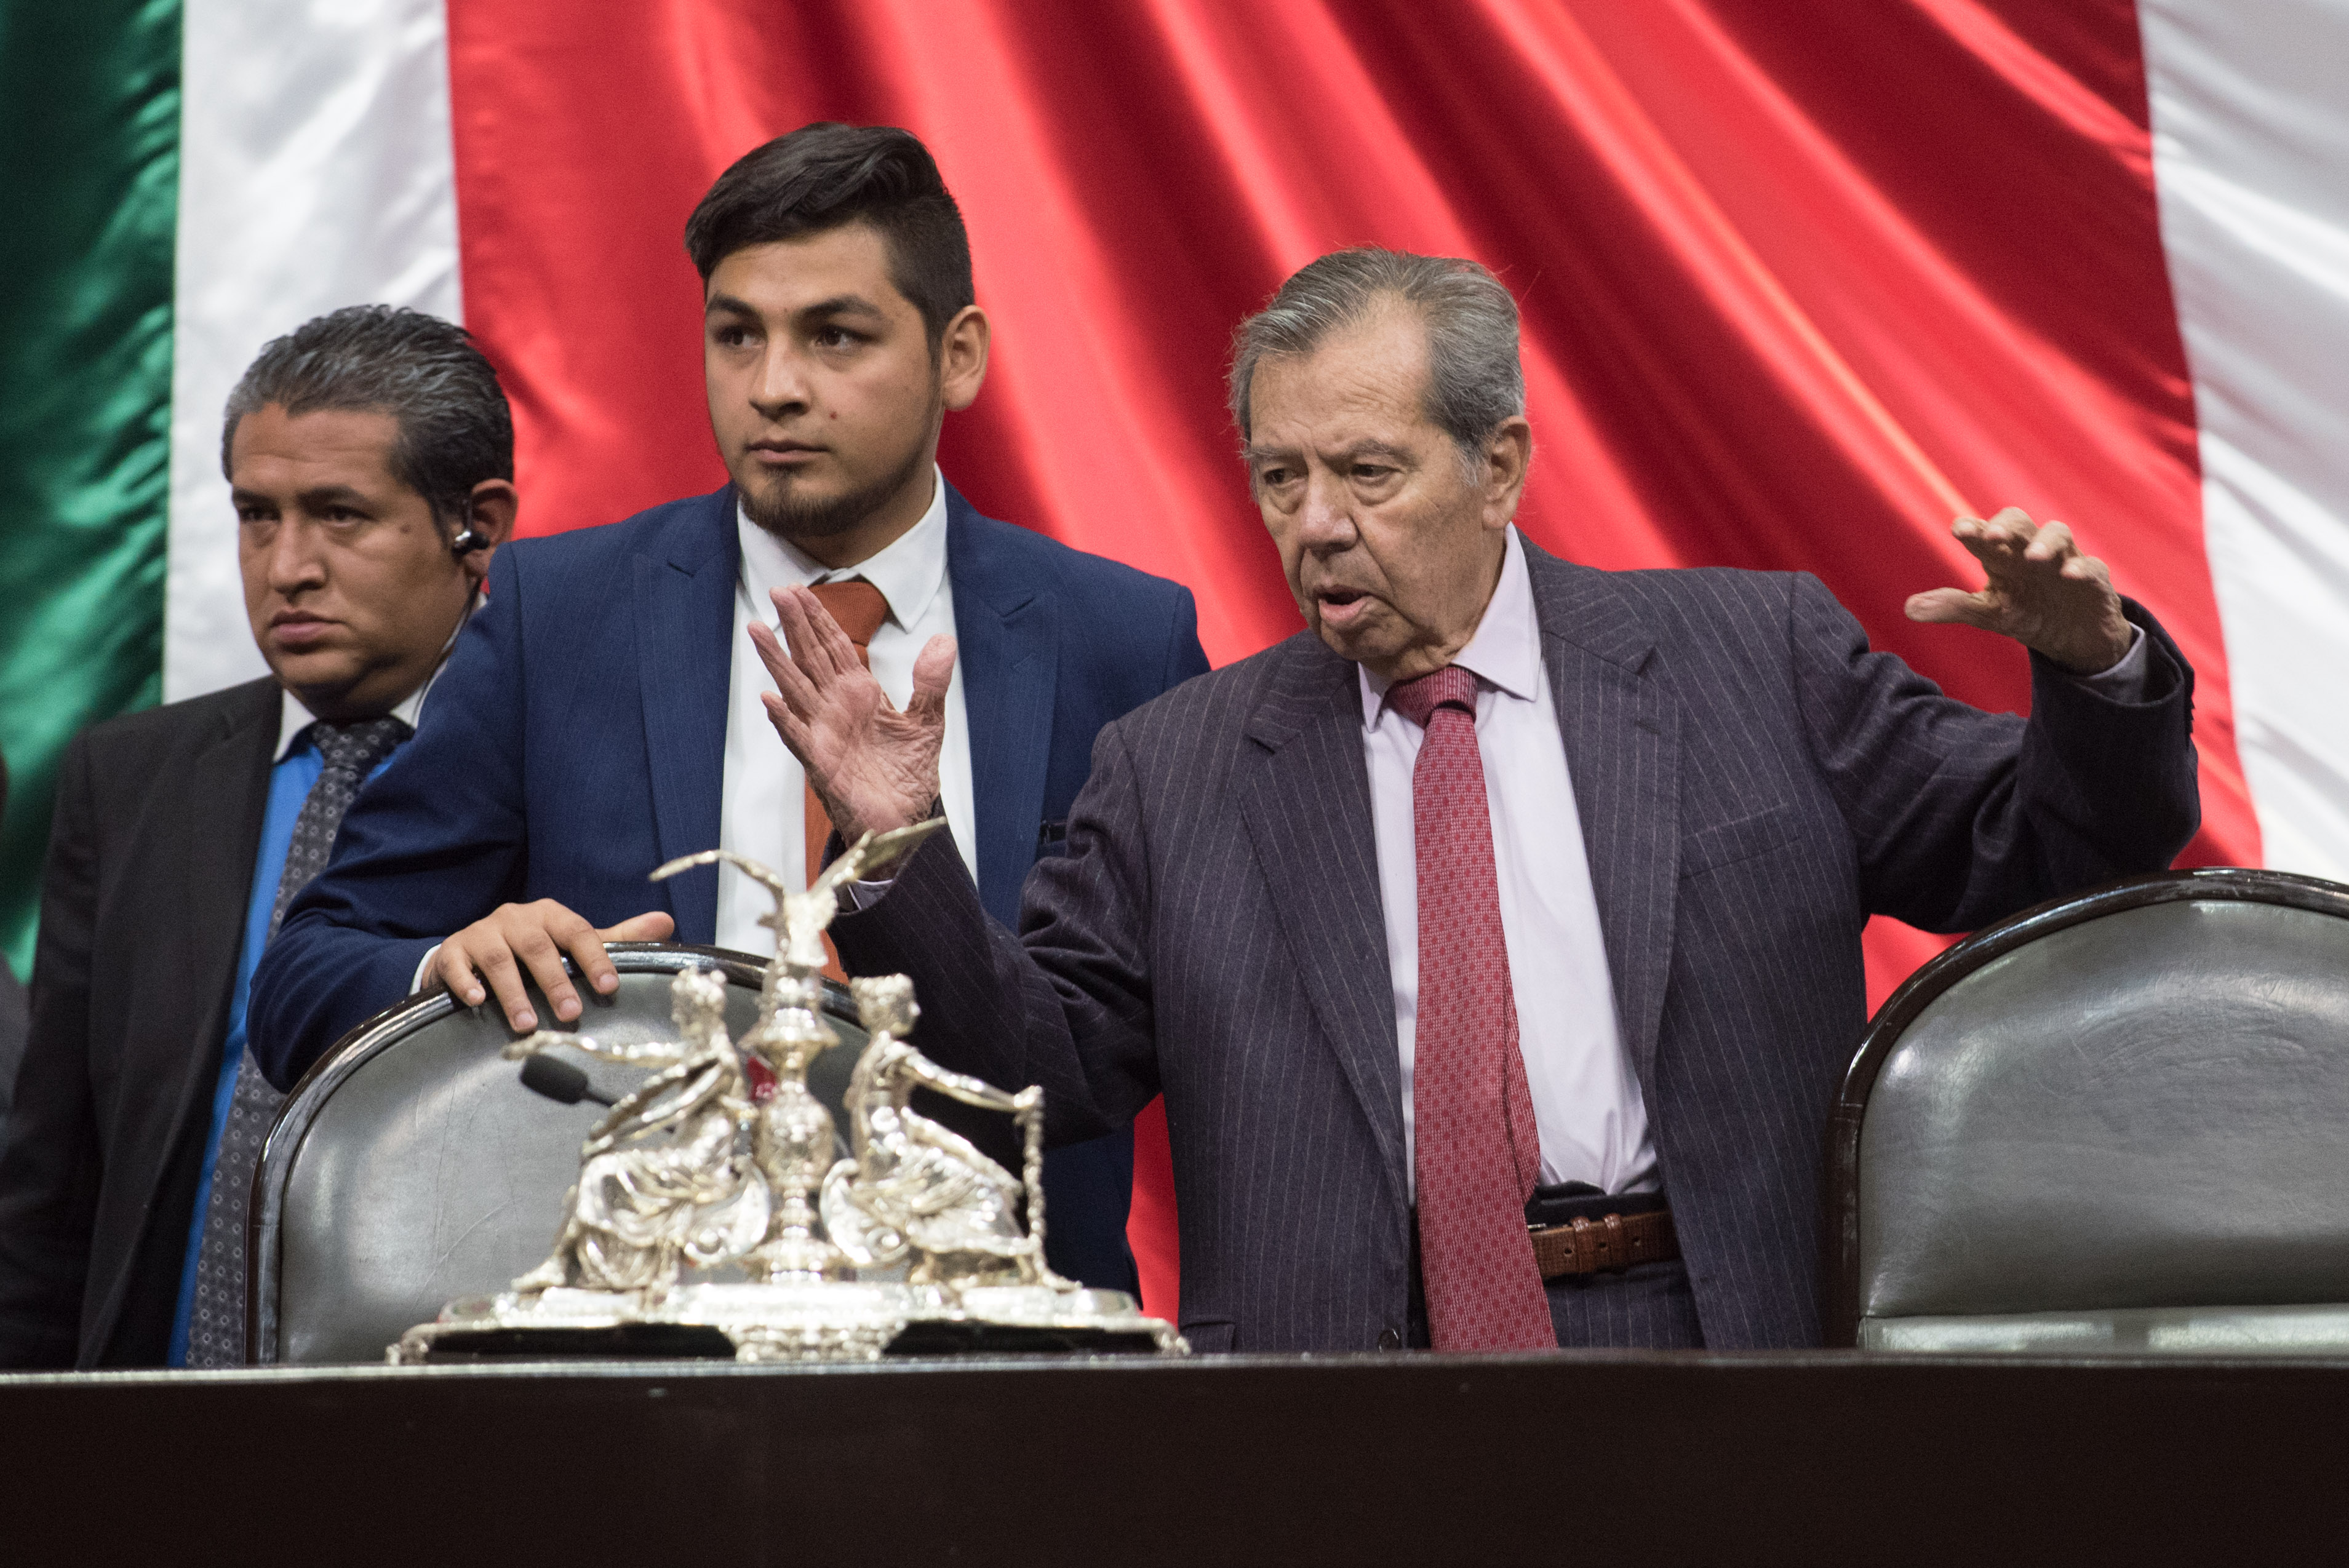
<point>90,169</point>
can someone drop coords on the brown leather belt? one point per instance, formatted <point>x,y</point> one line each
<point>1585,1246</point>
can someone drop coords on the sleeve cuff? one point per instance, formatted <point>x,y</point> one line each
<point>2124,682</point>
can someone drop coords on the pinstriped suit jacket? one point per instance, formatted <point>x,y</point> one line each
<point>1753,784</point>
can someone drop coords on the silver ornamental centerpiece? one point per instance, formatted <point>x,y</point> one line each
<point>707,1215</point>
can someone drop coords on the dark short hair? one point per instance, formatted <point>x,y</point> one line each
<point>455,430</point>
<point>1474,381</point>
<point>827,176</point>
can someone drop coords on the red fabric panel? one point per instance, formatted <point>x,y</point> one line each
<point>1799,281</point>
<point>1150,1225</point>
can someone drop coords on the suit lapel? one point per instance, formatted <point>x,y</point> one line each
<point>1009,637</point>
<point>683,596</point>
<point>1305,795</point>
<point>227,785</point>
<point>213,832</point>
<point>1621,729</point>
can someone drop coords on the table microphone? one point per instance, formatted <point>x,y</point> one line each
<point>560,1081</point>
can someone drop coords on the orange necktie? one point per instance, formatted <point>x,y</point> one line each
<point>860,609</point>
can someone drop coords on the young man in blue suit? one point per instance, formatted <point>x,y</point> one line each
<point>605,713</point>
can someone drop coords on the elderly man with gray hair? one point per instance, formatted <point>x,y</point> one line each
<point>369,455</point>
<point>1495,941</point>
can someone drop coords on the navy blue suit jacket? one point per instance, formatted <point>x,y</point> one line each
<point>577,739</point>
<point>1752,783</point>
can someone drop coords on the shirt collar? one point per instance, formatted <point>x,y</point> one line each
<point>294,720</point>
<point>1506,652</point>
<point>907,570</point>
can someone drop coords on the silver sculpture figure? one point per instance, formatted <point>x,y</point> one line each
<point>792,1141</point>
<point>725,1157</point>
<point>660,1184</point>
<point>913,1186</point>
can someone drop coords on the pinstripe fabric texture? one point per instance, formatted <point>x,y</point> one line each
<point>1752,783</point>
<point>1648,1306</point>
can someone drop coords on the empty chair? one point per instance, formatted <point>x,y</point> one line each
<point>2118,1123</point>
<point>411,1167</point>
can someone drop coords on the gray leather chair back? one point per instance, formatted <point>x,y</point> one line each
<point>410,1167</point>
<point>2117,1123</point>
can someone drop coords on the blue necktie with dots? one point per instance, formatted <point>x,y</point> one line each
<point>349,752</point>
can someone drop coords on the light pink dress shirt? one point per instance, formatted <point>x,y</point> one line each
<point>1586,1104</point>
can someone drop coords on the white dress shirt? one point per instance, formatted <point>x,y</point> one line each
<point>294,720</point>
<point>1586,1104</point>
<point>764,811</point>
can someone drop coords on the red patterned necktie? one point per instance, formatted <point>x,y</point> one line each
<point>1477,1153</point>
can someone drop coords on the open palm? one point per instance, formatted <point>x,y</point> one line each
<point>874,767</point>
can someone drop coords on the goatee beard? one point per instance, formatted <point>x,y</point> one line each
<point>792,520</point>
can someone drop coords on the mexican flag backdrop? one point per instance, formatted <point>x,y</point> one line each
<point>1800,282</point>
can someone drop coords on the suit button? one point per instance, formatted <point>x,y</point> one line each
<point>1389,1340</point>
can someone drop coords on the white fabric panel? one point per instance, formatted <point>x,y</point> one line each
<point>315,171</point>
<point>2251,139</point>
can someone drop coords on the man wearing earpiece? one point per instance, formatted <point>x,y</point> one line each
<point>370,456</point>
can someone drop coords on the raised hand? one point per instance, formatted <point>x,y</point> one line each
<point>874,767</point>
<point>2041,592</point>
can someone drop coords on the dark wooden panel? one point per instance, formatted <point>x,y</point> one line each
<point>1803,1458</point>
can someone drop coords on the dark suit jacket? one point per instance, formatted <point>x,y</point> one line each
<point>577,739</point>
<point>143,915</point>
<point>1752,783</point>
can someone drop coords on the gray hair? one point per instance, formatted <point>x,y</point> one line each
<point>1475,383</point>
<point>455,430</point>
